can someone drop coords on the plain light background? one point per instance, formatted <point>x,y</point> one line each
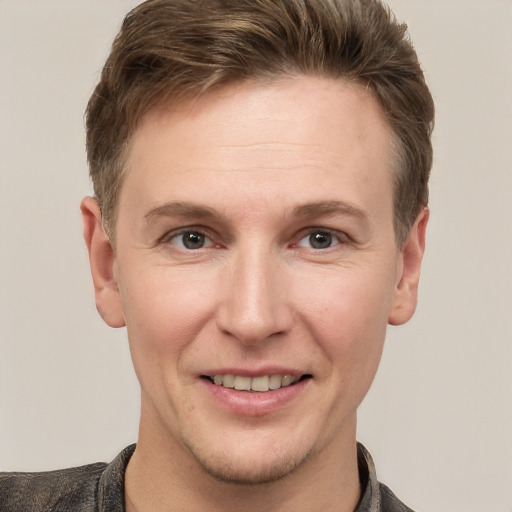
<point>438,419</point>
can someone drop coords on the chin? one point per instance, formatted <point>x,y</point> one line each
<point>248,468</point>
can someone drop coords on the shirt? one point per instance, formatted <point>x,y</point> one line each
<point>100,488</point>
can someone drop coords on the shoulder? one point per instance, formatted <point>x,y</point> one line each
<point>93,488</point>
<point>389,502</point>
<point>66,489</point>
<point>375,496</point>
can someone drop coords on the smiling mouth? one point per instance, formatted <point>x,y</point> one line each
<point>261,384</point>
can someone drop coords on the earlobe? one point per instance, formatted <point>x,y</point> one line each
<point>102,261</point>
<point>406,291</point>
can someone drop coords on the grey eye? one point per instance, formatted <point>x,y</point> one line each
<point>191,240</point>
<point>320,240</point>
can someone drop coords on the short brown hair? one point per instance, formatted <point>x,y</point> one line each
<point>168,49</point>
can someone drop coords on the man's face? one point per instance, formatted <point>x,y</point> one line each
<point>255,248</point>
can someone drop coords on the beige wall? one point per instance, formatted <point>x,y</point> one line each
<point>439,417</point>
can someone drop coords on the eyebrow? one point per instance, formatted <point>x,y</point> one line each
<point>315,209</point>
<point>320,208</point>
<point>182,209</point>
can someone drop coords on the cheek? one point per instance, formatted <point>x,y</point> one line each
<point>165,310</point>
<point>347,313</point>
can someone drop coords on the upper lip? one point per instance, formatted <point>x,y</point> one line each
<point>255,372</point>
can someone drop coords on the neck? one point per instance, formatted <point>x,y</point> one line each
<point>156,477</point>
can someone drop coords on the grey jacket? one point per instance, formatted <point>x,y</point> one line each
<point>100,488</point>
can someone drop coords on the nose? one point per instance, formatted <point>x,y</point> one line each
<point>254,304</point>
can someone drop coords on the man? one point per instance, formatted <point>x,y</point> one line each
<point>260,174</point>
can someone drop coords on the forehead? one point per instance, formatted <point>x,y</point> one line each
<point>290,134</point>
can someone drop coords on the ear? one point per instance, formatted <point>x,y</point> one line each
<point>411,256</point>
<point>103,264</point>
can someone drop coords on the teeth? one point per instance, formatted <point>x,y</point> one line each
<point>242,383</point>
<point>261,384</point>
<point>228,381</point>
<point>287,380</point>
<point>275,382</point>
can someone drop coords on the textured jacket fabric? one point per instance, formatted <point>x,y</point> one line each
<point>100,488</point>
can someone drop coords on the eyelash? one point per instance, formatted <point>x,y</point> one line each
<point>335,238</point>
<point>174,235</point>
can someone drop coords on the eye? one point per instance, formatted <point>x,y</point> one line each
<point>190,240</point>
<point>319,239</point>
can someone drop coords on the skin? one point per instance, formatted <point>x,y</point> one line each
<point>259,171</point>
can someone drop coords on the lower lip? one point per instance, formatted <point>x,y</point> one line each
<point>255,403</point>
